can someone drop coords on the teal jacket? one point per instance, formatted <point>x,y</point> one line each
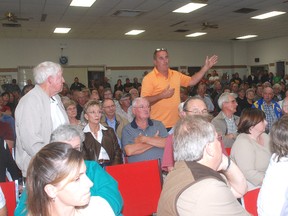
<point>104,186</point>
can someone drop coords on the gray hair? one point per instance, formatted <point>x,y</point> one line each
<point>45,69</point>
<point>190,137</point>
<point>137,100</point>
<point>67,132</point>
<point>193,98</point>
<point>224,97</point>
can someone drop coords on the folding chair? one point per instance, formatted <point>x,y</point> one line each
<point>249,201</point>
<point>9,192</point>
<point>140,185</point>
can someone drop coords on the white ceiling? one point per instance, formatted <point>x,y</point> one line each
<point>158,19</point>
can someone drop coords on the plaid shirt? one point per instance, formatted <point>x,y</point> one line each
<point>270,115</point>
<point>231,125</point>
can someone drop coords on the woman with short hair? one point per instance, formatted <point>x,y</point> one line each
<point>251,149</point>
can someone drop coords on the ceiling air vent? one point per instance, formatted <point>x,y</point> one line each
<point>128,13</point>
<point>245,10</point>
<point>11,25</point>
<point>181,30</point>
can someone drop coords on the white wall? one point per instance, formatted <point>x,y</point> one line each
<point>30,52</point>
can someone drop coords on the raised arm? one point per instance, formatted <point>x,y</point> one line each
<point>209,62</point>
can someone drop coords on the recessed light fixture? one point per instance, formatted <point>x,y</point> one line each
<point>189,8</point>
<point>82,3</point>
<point>134,32</point>
<point>246,37</point>
<point>196,34</point>
<point>268,15</point>
<point>62,30</point>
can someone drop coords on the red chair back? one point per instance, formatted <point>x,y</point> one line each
<point>9,192</point>
<point>140,185</point>
<point>249,201</point>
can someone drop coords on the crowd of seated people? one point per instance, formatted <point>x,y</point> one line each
<point>118,127</point>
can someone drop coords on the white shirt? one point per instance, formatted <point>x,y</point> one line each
<point>96,206</point>
<point>2,199</point>
<point>56,114</point>
<point>103,154</point>
<point>271,197</point>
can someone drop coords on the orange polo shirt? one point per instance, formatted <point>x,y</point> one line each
<point>165,110</point>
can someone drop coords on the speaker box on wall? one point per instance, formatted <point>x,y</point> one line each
<point>257,60</point>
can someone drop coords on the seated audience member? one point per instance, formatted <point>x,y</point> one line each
<point>144,138</point>
<point>226,122</point>
<point>111,119</point>
<point>127,86</point>
<point>277,92</point>
<point>107,93</point>
<point>81,100</point>
<point>251,150</point>
<point>118,86</point>
<point>94,95</point>
<point>71,110</point>
<point>285,106</point>
<point>134,93</point>
<point>136,84</point>
<point>7,163</point>
<point>201,92</point>
<point>192,106</point>
<point>103,184</point>
<point>184,94</point>
<point>241,101</point>
<point>250,95</point>
<point>101,143</point>
<point>270,107</point>
<point>4,109</point>
<point>125,108</point>
<point>3,208</point>
<point>117,95</point>
<point>57,184</point>
<point>272,196</point>
<point>258,92</point>
<point>195,187</point>
<point>76,85</point>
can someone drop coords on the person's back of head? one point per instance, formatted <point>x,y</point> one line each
<point>190,137</point>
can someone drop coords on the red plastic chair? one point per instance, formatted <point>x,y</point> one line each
<point>249,201</point>
<point>9,192</point>
<point>140,185</point>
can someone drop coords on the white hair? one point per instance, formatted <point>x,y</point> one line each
<point>45,69</point>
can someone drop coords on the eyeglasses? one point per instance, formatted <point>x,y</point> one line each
<point>196,111</point>
<point>142,107</point>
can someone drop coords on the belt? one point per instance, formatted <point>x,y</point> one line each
<point>102,161</point>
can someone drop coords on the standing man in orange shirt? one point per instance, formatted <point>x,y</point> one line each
<point>161,87</point>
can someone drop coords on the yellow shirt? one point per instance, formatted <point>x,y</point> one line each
<point>165,110</point>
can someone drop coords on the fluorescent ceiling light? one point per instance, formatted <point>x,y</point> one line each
<point>246,37</point>
<point>196,34</point>
<point>134,32</point>
<point>82,3</point>
<point>62,30</point>
<point>268,15</point>
<point>189,8</point>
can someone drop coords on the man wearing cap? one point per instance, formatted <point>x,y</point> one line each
<point>125,109</point>
<point>162,85</point>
